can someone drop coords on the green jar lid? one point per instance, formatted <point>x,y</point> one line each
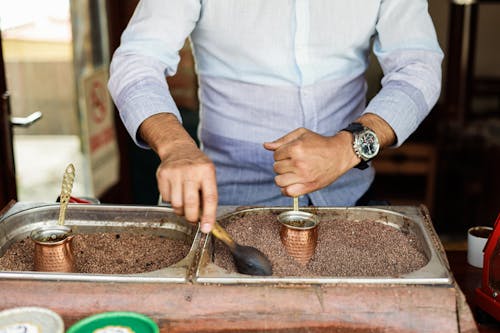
<point>115,322</point>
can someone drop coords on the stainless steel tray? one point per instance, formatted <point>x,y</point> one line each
<point>21,219</point>
<point>406,218</point>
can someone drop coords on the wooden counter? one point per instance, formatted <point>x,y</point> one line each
<point>266,307</point>
<point>227,308</point>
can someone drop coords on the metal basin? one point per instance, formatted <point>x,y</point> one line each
<point>407,219</point>
<point>20,220</point>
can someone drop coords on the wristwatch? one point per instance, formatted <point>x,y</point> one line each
<point>365,143</point>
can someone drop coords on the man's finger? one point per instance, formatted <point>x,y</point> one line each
<point>286,179</point>
<point>176,196</point>
<point>295,190</point>
<point>283,166</point>
<point>164,189</point>
<point>191,195</point>
<point>209,199</point>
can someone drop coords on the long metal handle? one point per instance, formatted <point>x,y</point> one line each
<point>221,234</point>
<point>66,188</point>
<point>296,204</point>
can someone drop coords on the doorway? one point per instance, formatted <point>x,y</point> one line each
<point>54,53</point>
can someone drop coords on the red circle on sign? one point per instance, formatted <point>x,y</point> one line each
<point>97,98</point>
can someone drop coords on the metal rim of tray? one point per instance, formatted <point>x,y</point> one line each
<point>190,269</point>
<point>176,273</point>
<point>435,272</point>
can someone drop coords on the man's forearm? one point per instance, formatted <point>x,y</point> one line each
<point>163,132</point>
<point>384,131</point>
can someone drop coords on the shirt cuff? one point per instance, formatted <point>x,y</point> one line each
<point>402,106</point>
<point>141,100</point>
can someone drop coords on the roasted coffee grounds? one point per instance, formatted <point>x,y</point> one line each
<point>106,253</point>
<point>345,248</point>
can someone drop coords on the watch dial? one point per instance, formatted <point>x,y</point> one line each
<point>369,145</point>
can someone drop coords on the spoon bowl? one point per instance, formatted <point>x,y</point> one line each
<point>251,261</point>
<point>248,259</point>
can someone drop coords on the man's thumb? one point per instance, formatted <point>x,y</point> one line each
<point>271,145</point>
<point>283,140</point>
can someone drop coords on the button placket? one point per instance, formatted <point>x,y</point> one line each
<point>302,37</point>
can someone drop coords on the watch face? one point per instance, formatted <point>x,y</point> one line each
<point>368,145</point>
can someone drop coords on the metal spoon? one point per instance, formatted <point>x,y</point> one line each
<point>66,188</point>
<point>248,259</point>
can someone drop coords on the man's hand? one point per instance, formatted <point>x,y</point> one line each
<point>186,176</point>
<point>306,161</point>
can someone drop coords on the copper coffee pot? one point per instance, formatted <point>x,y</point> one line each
<point>299,233</point>
<point>53,243</point>
<point>53,249</point>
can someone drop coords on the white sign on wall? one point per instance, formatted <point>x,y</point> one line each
<point>101,143</point>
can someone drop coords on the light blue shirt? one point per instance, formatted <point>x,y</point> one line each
<point>267,67</point>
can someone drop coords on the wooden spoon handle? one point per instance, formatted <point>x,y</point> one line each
<point>221,234</point>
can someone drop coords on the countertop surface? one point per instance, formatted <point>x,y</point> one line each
<point>469,278</point>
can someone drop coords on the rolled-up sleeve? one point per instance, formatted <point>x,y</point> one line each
<point>148,52</point>
<point>407,49</point>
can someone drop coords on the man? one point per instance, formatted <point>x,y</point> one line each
<point>282,94</point>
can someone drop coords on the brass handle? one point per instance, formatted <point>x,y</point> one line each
<point>221,234</point>
<point>66,188</point>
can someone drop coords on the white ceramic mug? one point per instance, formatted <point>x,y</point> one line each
<point>476,240</point>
